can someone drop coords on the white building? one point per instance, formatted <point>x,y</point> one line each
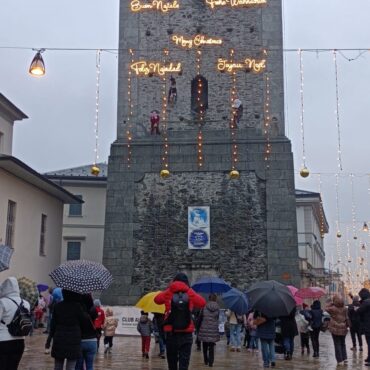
<point>31,208</point>
<point>311,226</point>
<point>83,224</point>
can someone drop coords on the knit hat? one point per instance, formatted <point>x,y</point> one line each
<point>180,276</point>
<point>97,303</point>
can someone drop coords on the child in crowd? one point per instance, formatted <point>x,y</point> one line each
<point>109,326</point>
<point>227,330</point>
<point>145,328</point>
<point>253,344</point>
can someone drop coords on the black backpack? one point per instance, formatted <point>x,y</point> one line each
<point>180,315</point>
<point>21,324</point>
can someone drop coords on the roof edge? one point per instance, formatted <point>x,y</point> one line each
<point>11,110</point>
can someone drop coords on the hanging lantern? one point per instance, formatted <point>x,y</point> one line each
<point>339,234</point>
<point>95,170</point>
<point>304,172</point>
<point>234,174</point>
<point>164,174</point>
<point>37,67</point>
<point>365,228</point>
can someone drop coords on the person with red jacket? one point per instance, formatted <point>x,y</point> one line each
<point>178,324</point>
<point>99,321</point>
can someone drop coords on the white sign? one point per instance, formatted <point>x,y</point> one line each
<point>128,318</point>
<point>198,228</point>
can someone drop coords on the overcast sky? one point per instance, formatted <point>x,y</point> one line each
<point>59,133</point>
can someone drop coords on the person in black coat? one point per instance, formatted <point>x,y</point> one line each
<point>65,331</point>
<point>316,322</point>
<point>288,331</point>
<point>364,314</point>
<point>354,318</point>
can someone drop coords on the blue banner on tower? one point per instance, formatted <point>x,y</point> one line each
<point>198,228</point>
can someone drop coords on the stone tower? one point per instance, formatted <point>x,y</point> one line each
<point>217,54</point>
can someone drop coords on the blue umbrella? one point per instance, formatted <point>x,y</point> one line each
<point>42,287</point>
<point>5,255</point>
<point>211,284</point>
<point>236,301</point>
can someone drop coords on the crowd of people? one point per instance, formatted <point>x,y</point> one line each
<point>77,323</point>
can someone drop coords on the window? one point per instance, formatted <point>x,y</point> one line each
<point>203,96</point>
<point>42,235</point>
<point>73,250</point>
<point>76,209</point>
<point>10,224</point>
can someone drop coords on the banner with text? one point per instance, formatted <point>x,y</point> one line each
<point>199,228</point>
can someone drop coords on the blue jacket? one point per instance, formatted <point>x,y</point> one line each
<point>266,330</point>
<point>316,314</point>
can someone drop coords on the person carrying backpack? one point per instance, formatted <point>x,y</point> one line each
<point>12,346</point>
<point>179,300</point>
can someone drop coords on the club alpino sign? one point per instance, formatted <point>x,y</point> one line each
<point>196,41</point>
<point>144,68</point>
<point>235,3</point>
<point>158,5</point>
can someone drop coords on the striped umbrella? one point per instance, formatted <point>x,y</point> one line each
<point>5,255</point>
<point>82,276</point>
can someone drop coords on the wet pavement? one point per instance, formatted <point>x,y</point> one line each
<point>126,355</point>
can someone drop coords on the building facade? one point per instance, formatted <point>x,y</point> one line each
<point>204,134</point>
<point>31,208</point>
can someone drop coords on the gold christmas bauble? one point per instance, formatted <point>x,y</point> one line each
<point>95,170</point>
<point>164,174</point>
<point>339,234</point>
<point>234,174</point>
<point>304,172</point>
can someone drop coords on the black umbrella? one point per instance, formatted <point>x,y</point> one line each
<point>271,298</point>
<point>82,276</point>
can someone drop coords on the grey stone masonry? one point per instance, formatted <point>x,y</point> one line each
<point>253,220</point>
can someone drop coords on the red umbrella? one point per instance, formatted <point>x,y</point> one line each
<point>294,290</point>
<point>311,292</point>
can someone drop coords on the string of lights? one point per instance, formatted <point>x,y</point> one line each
<point>322,226</point>
<point>129,112</point>
<point>234,173</point>
<point>201,107</point>
<point>353,208</point>
<point>304,171</point>
<point>165,166</point>
<point>95,170</point>
<point>267,120</point>
<point>339,234</point>
<point>339,158</point>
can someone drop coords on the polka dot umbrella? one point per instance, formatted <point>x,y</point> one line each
<point>82,276</point>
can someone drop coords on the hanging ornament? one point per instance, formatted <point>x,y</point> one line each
<point>172,92</point>
<point>339,150</point>
<point>234,174</point>
<point>365,228</point>
<point>304,170</point>
<point>363,247</point>
<point>165,151</point>
<point>95,170</point>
